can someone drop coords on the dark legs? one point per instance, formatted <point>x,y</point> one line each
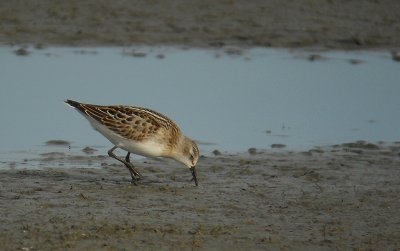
<point>135,175</point>
<point>127,157</point>
<point>135,172</point>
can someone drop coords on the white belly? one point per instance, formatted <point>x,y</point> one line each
<point>148,148</point>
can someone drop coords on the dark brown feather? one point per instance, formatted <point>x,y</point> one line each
<point>135,123</point>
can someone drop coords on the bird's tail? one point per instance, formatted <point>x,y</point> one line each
<point>72,103</point>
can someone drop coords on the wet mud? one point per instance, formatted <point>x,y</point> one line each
<point>342,197</point>
<point>326,24</point>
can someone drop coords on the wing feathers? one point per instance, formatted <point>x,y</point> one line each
<point>131,122</point>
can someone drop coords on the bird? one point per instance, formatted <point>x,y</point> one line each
<point>140,131</point>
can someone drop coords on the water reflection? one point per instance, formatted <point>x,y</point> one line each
<point>229,102</point>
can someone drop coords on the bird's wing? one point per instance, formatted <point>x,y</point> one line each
<point>134,123</point>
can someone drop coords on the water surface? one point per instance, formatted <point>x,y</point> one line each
<point>227,102</point>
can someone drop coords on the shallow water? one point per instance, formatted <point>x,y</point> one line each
<point>227,102</point>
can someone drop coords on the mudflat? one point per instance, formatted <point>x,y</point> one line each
<point>333,198</point>
<point>325,24</point>
<point>343,197</point>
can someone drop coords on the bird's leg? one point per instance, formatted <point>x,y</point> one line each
<point>112,155</point>
<point>128,165</point>
<point>136,172</point>
<point>127,157</point>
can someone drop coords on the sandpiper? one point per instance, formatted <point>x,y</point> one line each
<point>140,131</point>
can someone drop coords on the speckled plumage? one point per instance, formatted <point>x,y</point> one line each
<point>141,131</point>
<point>134,123</point>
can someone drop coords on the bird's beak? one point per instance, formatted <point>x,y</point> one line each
<point>193,169</point>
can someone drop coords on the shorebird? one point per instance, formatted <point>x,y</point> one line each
<point>140,131</point>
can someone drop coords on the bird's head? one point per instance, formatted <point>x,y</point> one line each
<point>188,153</point>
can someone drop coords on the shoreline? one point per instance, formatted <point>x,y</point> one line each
<point>333,197</point>
<point>60,154</point>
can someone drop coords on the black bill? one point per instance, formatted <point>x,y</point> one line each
<point>193,169</point>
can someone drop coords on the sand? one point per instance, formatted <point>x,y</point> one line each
<point>344,197</point>
<point>321,24</point>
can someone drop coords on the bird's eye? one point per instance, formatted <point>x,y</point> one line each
<point>192,159</point>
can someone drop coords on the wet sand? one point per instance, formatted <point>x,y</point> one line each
<point>321,24</point>
<point>344,197</point>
